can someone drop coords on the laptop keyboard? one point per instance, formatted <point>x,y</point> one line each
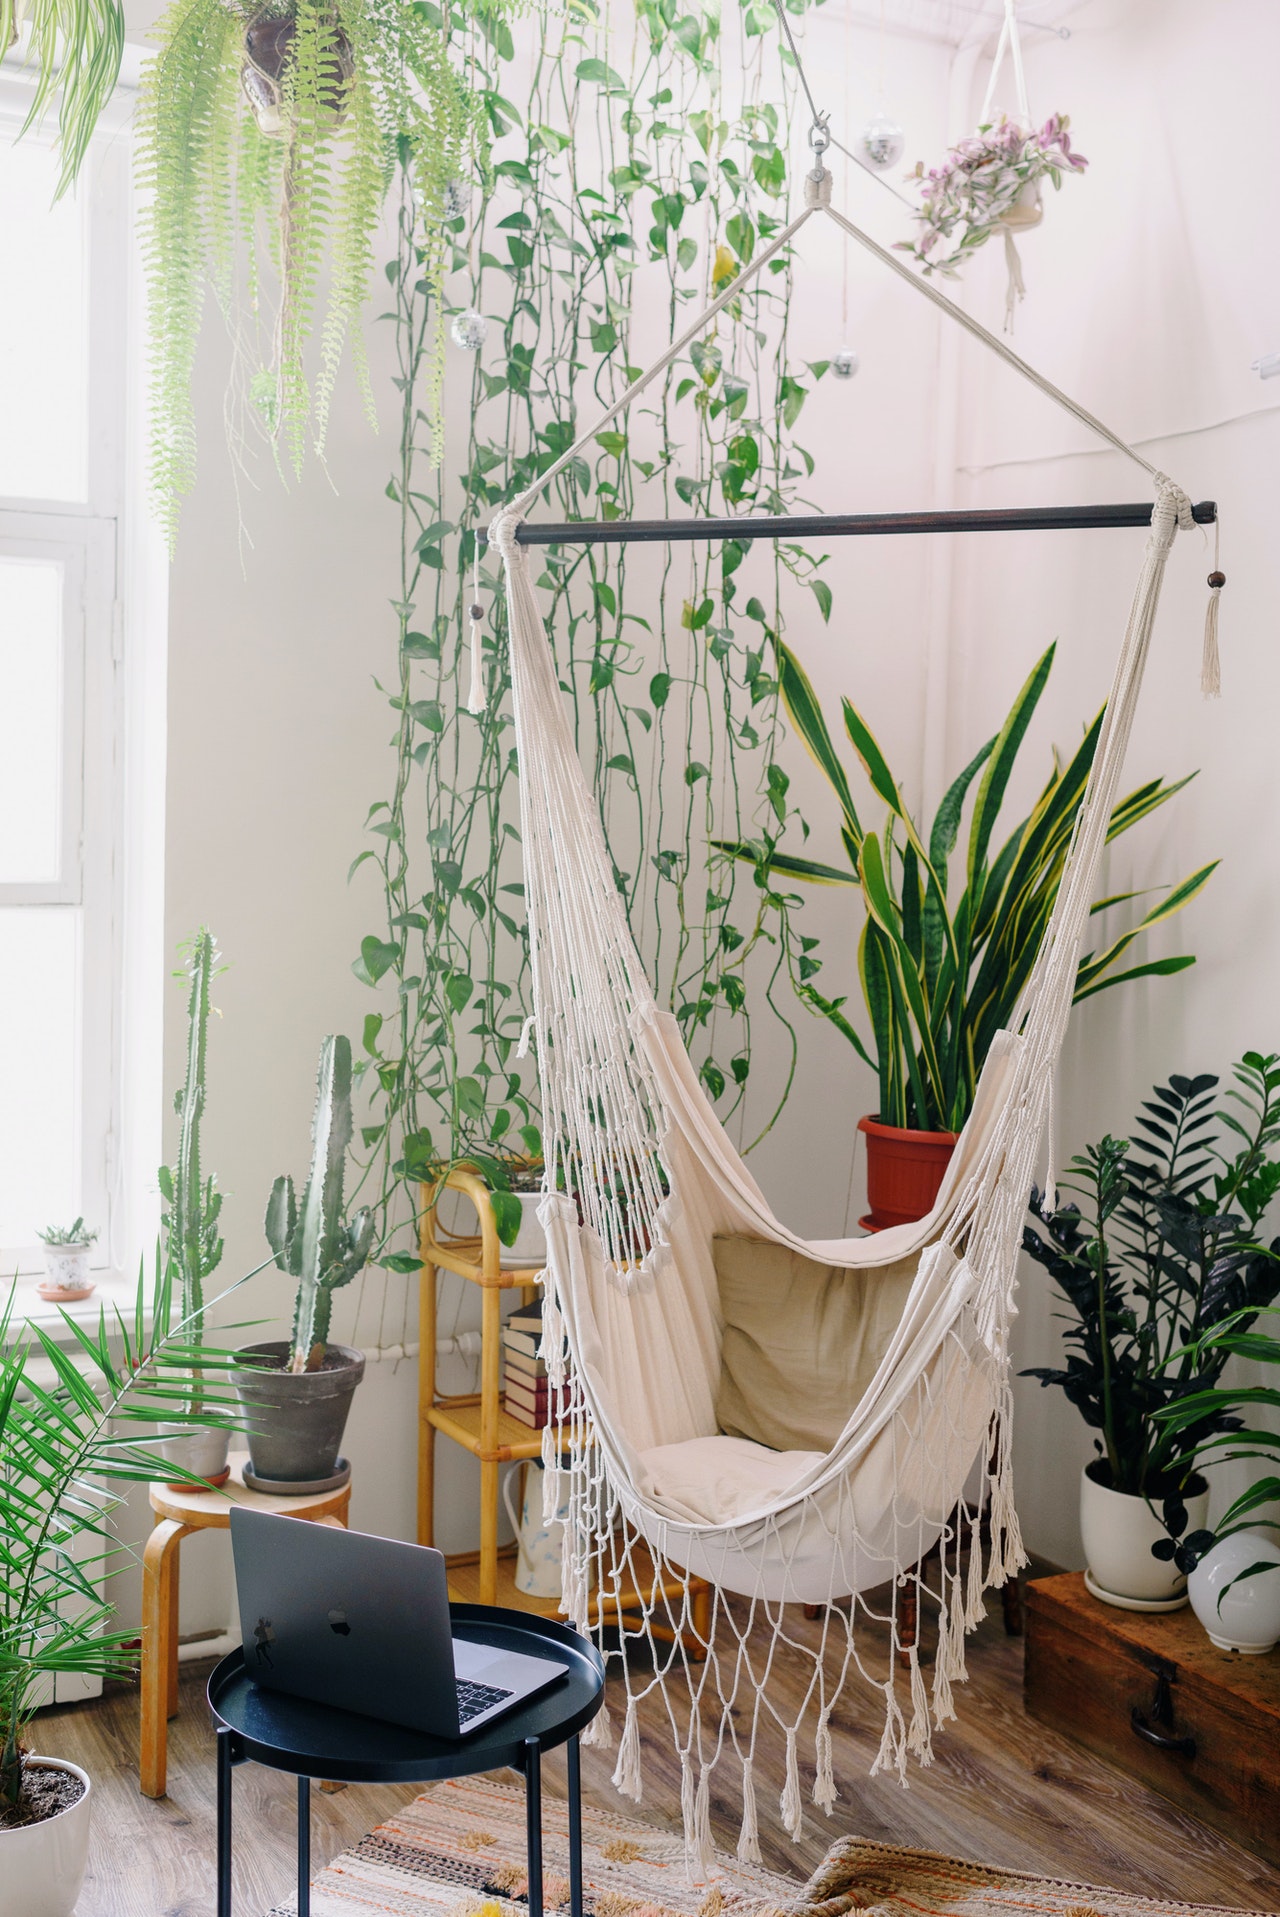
<point>474,1698</point>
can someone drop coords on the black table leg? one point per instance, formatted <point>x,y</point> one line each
<point>225,1735</point>
<point>575,1829</point>
<point>533,1821</point>
<point>304,1847</point>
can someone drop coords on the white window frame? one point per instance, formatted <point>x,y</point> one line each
<point>114,633</point>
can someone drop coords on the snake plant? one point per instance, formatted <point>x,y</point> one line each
<point>270,136</point>
<point>76,48</point>
<point>941,979</point>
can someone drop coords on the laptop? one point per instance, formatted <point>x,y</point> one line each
<point>362,1624</point>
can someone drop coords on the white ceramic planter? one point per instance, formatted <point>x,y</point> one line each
<point>530,1247</point>
<point>1118,1531</point>
<point>66,1269</point>
<point>201,1452</point>
<point>1247,1617</point>
<point>42,1865</point>
<point>1027,210</point>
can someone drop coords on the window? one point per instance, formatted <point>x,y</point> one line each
<point>63,553</point>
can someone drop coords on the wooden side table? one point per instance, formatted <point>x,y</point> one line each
<point>178,1514</point>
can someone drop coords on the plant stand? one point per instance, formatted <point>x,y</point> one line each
<point>179,1513</point>
<point>481,1425</point>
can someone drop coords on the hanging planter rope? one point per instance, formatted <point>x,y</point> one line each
<point>991,183</point>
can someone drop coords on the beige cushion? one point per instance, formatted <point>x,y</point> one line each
<point>802,1341</point>
<point>715,1480</point>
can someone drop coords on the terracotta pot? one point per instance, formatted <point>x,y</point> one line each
<point>904,1171</point>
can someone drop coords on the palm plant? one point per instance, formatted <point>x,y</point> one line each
<point>277,130</point>
<point>941,980</point>
<point>77,47</point>
<point>63,1448</point>
<point>1163,1275</point>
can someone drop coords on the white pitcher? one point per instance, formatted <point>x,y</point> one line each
<point>540,1545</point>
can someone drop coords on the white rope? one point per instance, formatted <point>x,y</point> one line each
<point>1008,42</point>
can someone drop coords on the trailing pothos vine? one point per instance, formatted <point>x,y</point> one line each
<point>622,202</point>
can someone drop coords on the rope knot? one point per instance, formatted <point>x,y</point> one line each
<point>817,188</point>
<point>502,532</point>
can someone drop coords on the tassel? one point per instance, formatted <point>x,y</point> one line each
<point>974,1608</point>
<point>688,1807</point>
<point>825,1795</point>
<point>892,1754</point>
<point>703,1848</point>
<point>626,1772</point>
<point>1211,665</point>
<point>789,1802</point>
<point>1017,287</point>
<point>599,1734</point>
<point>527,1029</point>
<point>749,1835</point>
<point>919,1737</point>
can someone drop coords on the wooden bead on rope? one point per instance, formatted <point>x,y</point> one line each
<point>1210,668</point>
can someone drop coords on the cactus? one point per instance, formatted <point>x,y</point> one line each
<point>313,1243</point>
<point>194,1246</point>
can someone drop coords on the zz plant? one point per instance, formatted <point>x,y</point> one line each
<point>1162,1274</point>
<point>941,977</point>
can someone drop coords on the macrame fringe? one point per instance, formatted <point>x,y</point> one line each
<point>974,1608</point>
<point>551,1350</point>
<point>688,1805</point>
<point>749,1834</point>
<point>598,1735</point>
<point>789,1803</point>
<point>626,1772</point>
<point>892,1754</point>
<point>825,1795</point>
<point>919,1736</point>
<point>703,1848</point>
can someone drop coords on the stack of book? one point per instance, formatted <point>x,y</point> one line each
<point>525,1375</point>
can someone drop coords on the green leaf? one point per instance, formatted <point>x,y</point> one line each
<point>508,1214</point>
<point>376,958</point>
<point>801,702</point>
<point>596,70</point>
<point>822,593</point>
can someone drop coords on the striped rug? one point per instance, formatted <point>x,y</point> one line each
<point>459,1851</point>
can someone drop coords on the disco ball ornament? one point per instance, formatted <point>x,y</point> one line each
<point>469,330</point>
<point>457,199</point>
<point>883,143</point>
<point>844,363</point>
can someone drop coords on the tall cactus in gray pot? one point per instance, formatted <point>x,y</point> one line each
<point>300,1395</point>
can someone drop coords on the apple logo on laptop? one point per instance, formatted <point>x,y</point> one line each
<point>338,1623</point>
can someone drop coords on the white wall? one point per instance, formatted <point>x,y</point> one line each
<point>1150,289</point>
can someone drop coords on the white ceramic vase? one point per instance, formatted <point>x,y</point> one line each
<point>1246,1617</point>
<point>539,1541</point>
<point>530,1248</point>
<point>66,1272</point>
<point>42,1865</point>
<point>1118,1531</point>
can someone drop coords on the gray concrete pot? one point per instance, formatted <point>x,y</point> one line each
<point>295,1421</point>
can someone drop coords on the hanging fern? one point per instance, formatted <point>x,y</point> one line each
<point>269,138</point>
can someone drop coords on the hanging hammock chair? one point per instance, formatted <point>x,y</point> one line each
<point>694,1441</point>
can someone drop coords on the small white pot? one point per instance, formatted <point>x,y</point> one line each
<point>202,1452</point>
<point>1247,1617</point>
<point>1027,209</point>
<point>42,1865</point>
<point>530,1247</point>
<point>66,1270</point>
<point>1118,1531</point>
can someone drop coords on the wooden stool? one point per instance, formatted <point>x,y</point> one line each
<point>178,1514</point>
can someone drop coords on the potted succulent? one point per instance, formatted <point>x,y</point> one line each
<point>66,1262</point>
<point>192,1241</point>
<point>300,1393</point>
<point>1162,1254</point>
<point>1234,1568</point>
<point>941,979</point>
<point>64,1447</point>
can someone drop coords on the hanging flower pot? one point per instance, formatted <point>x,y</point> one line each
<point>268,46</point>
<point>905,1170</point>
<point>1027,210</point>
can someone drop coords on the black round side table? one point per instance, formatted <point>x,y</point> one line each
<point>312,1740</point>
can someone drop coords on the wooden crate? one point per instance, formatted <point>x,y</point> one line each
<point>1211,1718</point>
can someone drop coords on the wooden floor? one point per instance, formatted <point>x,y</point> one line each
<point>1001,1788</point>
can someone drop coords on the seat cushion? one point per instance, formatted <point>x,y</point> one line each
<point>716,1480</point>
<point>802,1341</point>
